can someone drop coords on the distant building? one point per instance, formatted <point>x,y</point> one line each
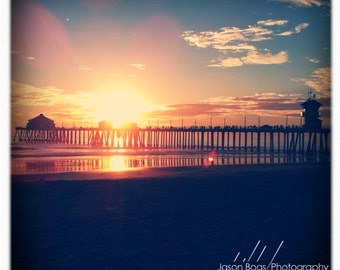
<point>311,113</point>
<point>105,125</point>
<point>129,126</point>
<point>40,122</point>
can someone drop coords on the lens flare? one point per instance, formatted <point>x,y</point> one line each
<point>210,159</point>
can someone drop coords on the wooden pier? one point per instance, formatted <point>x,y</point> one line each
<point>252,139</point>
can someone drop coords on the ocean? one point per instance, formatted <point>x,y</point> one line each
<point>56,158</point>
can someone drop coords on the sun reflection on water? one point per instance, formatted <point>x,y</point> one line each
<point>117,163</point>
<point>41,159</point>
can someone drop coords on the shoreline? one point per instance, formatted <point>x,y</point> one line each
<point>169,172</point>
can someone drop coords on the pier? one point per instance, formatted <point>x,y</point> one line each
<point>248,139</point>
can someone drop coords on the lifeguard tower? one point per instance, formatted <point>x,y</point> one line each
<point>311,112</point>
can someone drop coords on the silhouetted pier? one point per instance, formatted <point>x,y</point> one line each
<point>252,139</point>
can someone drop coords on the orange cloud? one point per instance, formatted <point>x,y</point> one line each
<point>319,80</point>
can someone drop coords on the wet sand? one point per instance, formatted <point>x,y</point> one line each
<point>172,218</point>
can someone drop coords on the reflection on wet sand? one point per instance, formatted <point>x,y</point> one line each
<point>123,162</point>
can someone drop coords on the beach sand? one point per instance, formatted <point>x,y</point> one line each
<point>172,218</point>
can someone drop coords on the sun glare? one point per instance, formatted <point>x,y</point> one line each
<point>117,163</point>
<point>120,107</point>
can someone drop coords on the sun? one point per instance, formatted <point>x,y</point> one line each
<point>120,107</point>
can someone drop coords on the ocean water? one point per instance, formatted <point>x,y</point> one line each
<point>54,158</point>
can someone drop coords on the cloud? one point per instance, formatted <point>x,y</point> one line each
<point>23,94</point>
<point>286,34</point>
<point>300,27</point>
<point>305,3</point>
<point>296,30</point>
<point>138,66</point>
<point>226,36</point>
<point>256,58</point>
<point>261,104</point>
<point>238,46</point>
<point>252,58</point>
<point>268,104</point>
<point>227,62</point>
<point>313,60</point>
<point>27,101</point>
<point>272,22</point>
<point>320,81</point>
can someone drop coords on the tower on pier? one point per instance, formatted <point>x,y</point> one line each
<point>311,112</point>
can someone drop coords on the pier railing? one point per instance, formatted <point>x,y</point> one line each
<point>253,139</point>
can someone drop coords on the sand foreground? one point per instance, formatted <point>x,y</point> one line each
<point>180,218</point>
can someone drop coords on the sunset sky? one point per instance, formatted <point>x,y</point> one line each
<point>79,62</point>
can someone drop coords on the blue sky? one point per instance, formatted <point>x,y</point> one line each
<point>189,60</point>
